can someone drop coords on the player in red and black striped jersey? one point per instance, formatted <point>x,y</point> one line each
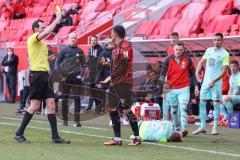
<point>121,86</point>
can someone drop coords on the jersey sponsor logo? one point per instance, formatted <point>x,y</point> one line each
<point>183,65</point>
<point>125,54</point>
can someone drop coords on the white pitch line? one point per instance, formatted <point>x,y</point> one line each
<point>155,144</point>
<point>19,119</point>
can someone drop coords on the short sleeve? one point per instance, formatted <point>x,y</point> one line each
<point>238,81</point>
<point>205,55</point>
<point>33,39</point>
<point>226,60</point>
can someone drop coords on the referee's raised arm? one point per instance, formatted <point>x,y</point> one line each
<point>50,28</point>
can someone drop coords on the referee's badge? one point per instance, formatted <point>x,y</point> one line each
<point>125,54</point>
<point>183,65</point>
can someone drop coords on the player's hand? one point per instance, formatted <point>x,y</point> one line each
<point>198,76</point>
<point>166,86</point>
<point>51,57</point>
<point>100,85</point>
<point>58,15</point>
<point>106,80</point>
<point>196,91</point>
<point>211,84</point>
<point>163,96</point>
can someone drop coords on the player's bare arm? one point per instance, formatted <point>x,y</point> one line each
<point>199,68</point>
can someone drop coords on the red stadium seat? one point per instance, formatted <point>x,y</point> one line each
<point>194,10</point>
<point>193,35</point>
<point>174,11</point>
<point>185,27</point>
<point>234,33</point>
<point>201,35</point>
<point>2,26</point>
<point>103,17</point>
<point>67,6</point>
<point>94,6</point>
<point>216,8</point>
<point>64,31</point>
<point>221,23</point>
<point>234,28</point>
<point>37,11</point>
<point>74,19</point>
<point>111,4</point>
<point>163,30</point>
<point>89,17</point>
<point>146,28</point>
<point>44,2</point>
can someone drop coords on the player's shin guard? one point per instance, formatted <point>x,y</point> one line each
<point>116,123</point>
<point>165,109</point>
<point>216,113</point>
<point>174,115</point>
<point>203,114</point>
<point>183,110</point>
<point>223,110</point>
<point>133,123</point>
<point>229,107</point>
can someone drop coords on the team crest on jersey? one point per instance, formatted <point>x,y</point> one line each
<point>125,54</point>
<point>183,65</point>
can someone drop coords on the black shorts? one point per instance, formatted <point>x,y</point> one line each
<point>39,86</point>
<point>120,95</point>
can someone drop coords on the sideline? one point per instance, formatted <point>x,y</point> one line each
<point>155,144</point>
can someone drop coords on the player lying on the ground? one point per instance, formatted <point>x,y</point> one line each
<point>233,96</point>
<point>158,131</point>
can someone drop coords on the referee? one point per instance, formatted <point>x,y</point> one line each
<point>38,79</point>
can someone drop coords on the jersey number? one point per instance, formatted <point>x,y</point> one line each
<point>211,62</point>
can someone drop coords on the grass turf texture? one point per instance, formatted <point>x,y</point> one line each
<point>87,142</point>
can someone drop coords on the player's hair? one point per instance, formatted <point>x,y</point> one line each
<point>174,34</point>
<point>120,31</point>
<point>219,34</point>
<point>36,24</point>
<point>94,37</point>
<point>234,62</point>
<point>179,43</point>
<point>10,48</point>
<point>175,137</point>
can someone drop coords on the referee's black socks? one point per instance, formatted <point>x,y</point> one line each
<point>53,123</point>
<point>26,119</point>
<point>133,123</point>
<point>116,123</point>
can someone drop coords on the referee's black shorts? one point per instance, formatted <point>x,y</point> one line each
<point>39,86</point>
<point>120,95</point>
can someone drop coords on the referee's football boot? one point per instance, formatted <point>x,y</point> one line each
<point>60,141</point>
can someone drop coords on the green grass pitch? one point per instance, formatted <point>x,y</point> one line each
<point>87,142</point>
